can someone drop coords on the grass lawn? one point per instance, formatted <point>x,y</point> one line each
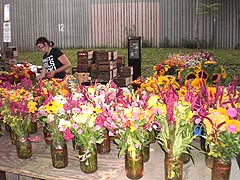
<point>150,57</point>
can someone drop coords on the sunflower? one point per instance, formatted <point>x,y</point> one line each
<point>214,78</point>
<point>203,74</point>
<point>190,75</point>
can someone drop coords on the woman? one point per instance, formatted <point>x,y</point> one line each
<point>55,63</point>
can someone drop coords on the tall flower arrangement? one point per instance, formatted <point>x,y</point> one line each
<point>17,106</point>
<point>174,116</point>
<point>51,112</point>
<point>219,110</point>
<point>174,122</point>
<point>17,103</point>
<point>54,116</point>
<point>131,118</point>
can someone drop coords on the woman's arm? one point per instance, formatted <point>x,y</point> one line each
<point>66,64</point>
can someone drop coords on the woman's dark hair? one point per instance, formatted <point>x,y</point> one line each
<point>42,40</point>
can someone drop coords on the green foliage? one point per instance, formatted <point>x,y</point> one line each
<point>228,146</point>
<point>210,8</point>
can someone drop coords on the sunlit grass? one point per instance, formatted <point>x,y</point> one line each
<point>150,56</point>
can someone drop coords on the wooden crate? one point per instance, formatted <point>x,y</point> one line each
<point>84,61</point>
<point>83,68</point>
<point>120,61</point>
<point>104,65</point>
<point>74,70</point>
<point>82,77</point>
<point>85,54</point>
<point>125,71</point>
<point>94,74</point>
<point>93,66</point>
<point>12,61</point>
<point>114,63</point>
<point>11,52</point>
<point>105,76</point>
<point>122,81</point>
<point>114,55</point>
<point>102,56</point>
<point>114,73</point>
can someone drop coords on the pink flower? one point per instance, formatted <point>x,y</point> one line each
<point>232,128</point>
<point>68,135</point>
<point>232,112</point>
<point>79,131</point>
<point>197,121</point>
<point>76,110</point>
<point>75,126</point>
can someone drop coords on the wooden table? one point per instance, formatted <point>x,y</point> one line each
<point>110,167</point>
<point>40,164</point>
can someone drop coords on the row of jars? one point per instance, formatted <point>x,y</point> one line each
<point>134,167</point>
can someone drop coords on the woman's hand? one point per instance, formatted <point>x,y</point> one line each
<point>50,74</point>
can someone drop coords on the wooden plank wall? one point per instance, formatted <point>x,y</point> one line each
<point>107,23</point>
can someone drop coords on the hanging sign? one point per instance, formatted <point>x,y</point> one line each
<point>6,32</point>
<point>6,12</point>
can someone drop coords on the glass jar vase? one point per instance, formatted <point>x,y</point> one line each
<point>13,136</point>
<point>88,159</point>
<point>32,128</point>
<point>152,136</point>
<point>105,146</point>
<point>134,165</point>
<point>146,153</point>
<point>47,135</point>
<point>209,160</point>
<point>185,158</point>
<point>75,145</point>
<point>7,128</point>
<point>221,169</point>
<point>173,168</point>
<point>59,154</point>
<point>23,147</point>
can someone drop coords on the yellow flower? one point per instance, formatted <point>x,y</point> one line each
<point>32,106</point>
<point>132,128</point>
<point>53,107</point>
<point>91,90</point>
<point>152,101</point>
<point>234,122</point>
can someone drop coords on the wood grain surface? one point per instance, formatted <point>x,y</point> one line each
<point>40,164</point>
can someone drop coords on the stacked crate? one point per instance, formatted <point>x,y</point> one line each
<point>124,77</point>
<point>105,68</point>
<point>84,61</point>
<point>2,63</point>
<point>11,55</point>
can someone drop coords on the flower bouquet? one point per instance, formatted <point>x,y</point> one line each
<point>55,118</point>
<point>131,121</point>
<point>85,105</point>
<point>53,114</point>
<point>219,110</point>
<point>175,130</point>
<point>17,107</point>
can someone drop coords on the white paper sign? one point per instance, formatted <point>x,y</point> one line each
<point>7,12</point>
<point>6,32</point>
